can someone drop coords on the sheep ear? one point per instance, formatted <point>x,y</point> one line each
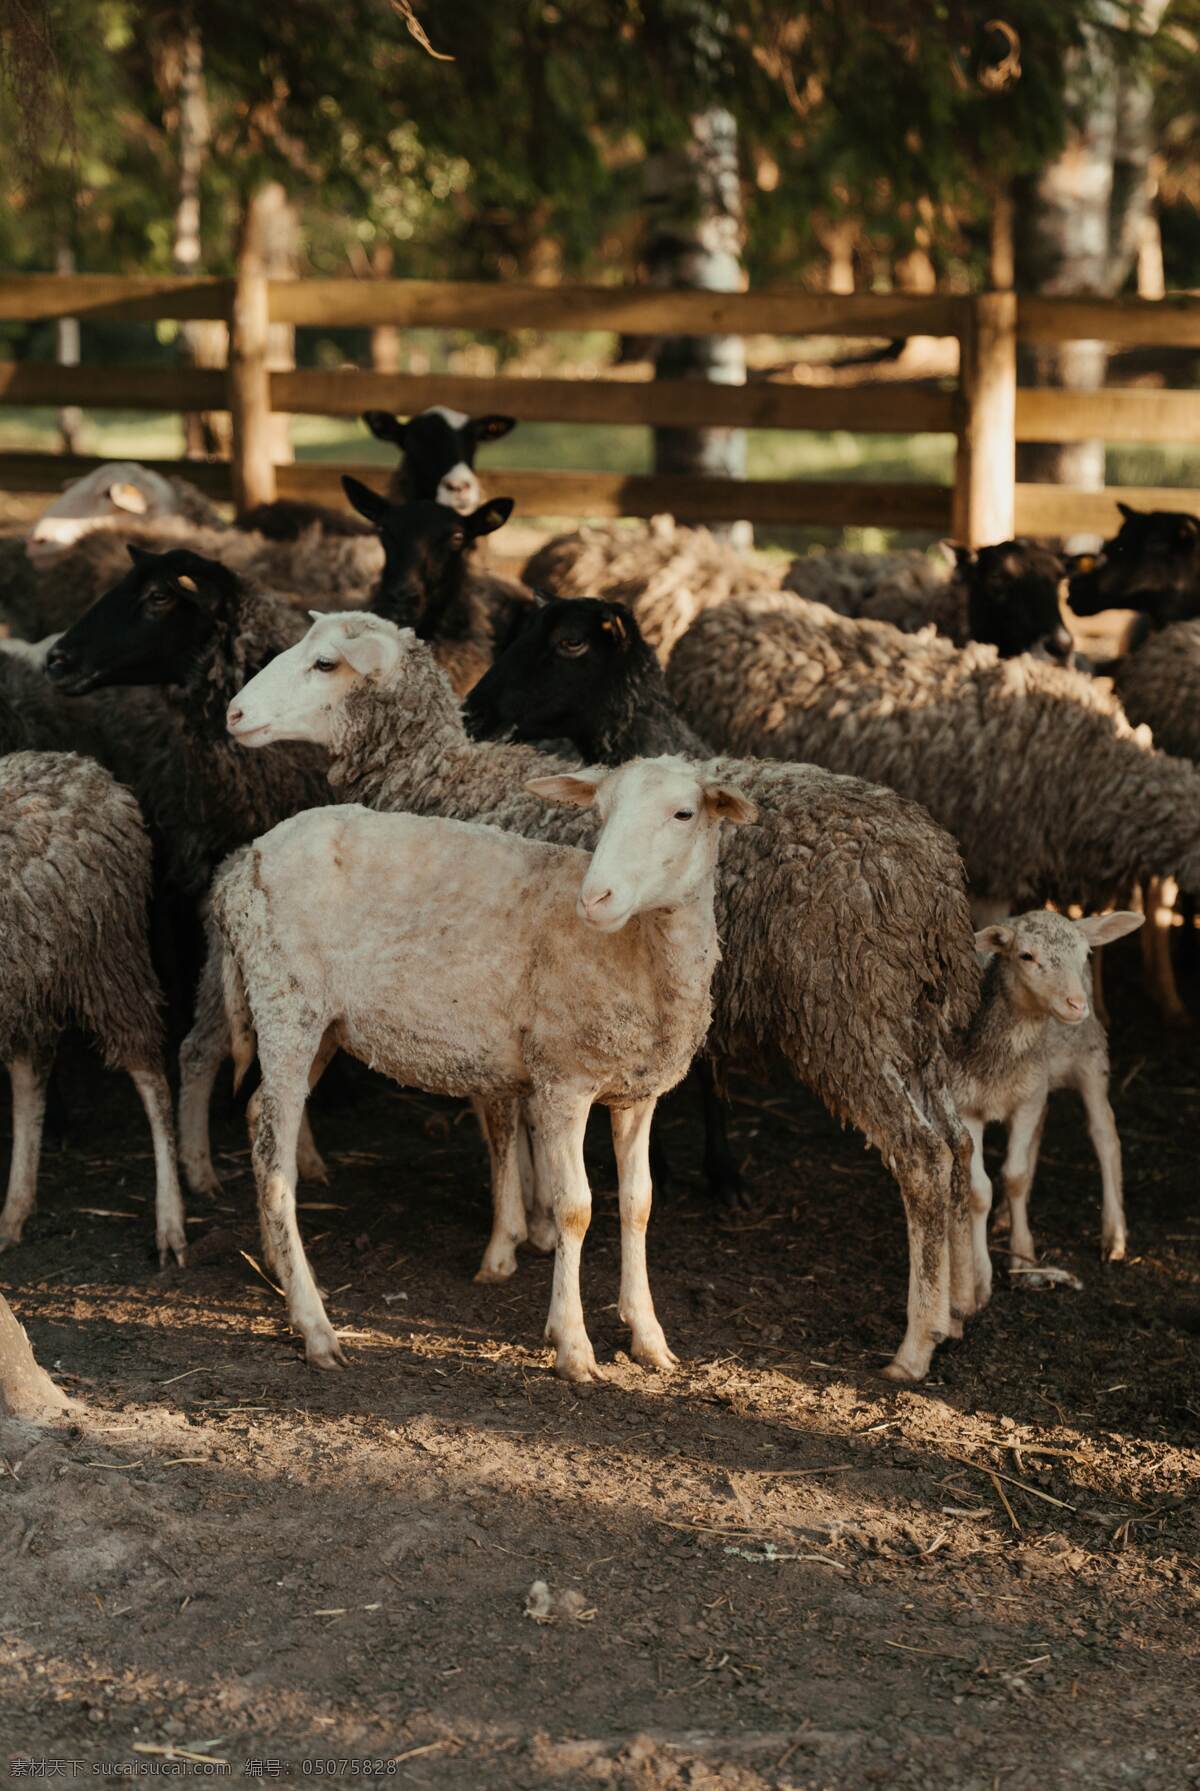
<point>140,556</point>
<point>1128,511</point>
<point>955,554</point>
<point>995,939</point>
<point>127,496</point>
<point>578,789</point>
<point>369,653</point>
<point>368,503</point>
<point>490,429</point>
<point>1102,929</point>
<point>489,517</point>
<point>723,803</point>
<point>384,426</point>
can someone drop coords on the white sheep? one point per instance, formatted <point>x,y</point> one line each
<point>478,963</point>
<point>1035,1032</point>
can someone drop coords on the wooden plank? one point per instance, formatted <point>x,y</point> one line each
<point>50,472</point>
<point>253,459</point>
<point>902,409</point>
<point>985,465</point>
<point>1128,414</point>
<point>113,388</point>
<point>1065,510</point>
<point>477,305</point>
<point>833,503</point>
<point>28,298</point>
<point>1170,322</point>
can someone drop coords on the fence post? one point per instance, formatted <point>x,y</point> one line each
<point>252,465</point>
<point>985,466</point>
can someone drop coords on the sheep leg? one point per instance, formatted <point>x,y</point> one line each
<point>1102,1126</point>
<point>721,1168</point>
<point>981,1206</point>
<point>631,1143</point>
<point>155,1097</point>
<point>201,1055</point>
<point>29,1077</point>
<point>1020,1163</point>
<point>500,1123</point>
<point>924,1171</point>
<point>557,1124</point>
<point>281,1107</point>
<point>539,1213</point>
<point>1157,960</point>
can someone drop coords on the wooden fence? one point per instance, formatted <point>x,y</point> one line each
<point>983,408</point>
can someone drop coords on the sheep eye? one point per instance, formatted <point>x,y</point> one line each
<point>1027,957</point>
<point>160,599</point>
<point>571,647</point>
<point>324,665</point>
<point>685,814</point>
<point>457,539</point>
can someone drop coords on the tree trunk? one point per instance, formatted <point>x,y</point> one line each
<point>70,417</point>
<point>694,239</point>
<point>385,337</point>
<point>202,343</point>
<point>1078,226</point>
<point>26,1390</point>
<point>273,216</point>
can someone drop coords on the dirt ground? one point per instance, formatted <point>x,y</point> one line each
<point>767,1569</point>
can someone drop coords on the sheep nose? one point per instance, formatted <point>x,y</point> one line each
<point>593,903</point>
<point>235,714</point>
<point>58,662</point>
<point>1077,1004</point>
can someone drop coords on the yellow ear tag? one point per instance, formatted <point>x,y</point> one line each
<point>187,583</point>
<point>128,497</point>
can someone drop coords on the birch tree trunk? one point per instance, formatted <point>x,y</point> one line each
<point>694,238</point>
<point>70,417</point>
<point>204,343</point>
<point>1078,227</point>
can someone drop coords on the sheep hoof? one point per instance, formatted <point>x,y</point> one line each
<point>1113,1251</point>
<point>170,1248</point>
<point>491,1274</point>
<point>324,1351</point>
<point>656,1355</point>
<point>955,1328</point>
<point>202,1181</point>
<point>9,1240</point>
<point>310,1167</point>
<point>905,1377</point>
<point>577,1363</point>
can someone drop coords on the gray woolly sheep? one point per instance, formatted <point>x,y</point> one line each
<point>1033,769</point>
<point>843,916</point>
<point>665,573</point>
<point>337,571</point>
<point>1159,685</point>
<point>74,888</point>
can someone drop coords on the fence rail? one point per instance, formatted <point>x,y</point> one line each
<point>983,409</point>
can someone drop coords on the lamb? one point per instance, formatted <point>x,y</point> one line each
<point>1033,769</point>
<point>665,573</point>
<point>1006,595</point>
<point>426,583</point>
<point>189,625</point>
<point>437,454</point>
<point>496,967</point>
<point>843,915</point>
<point>74,887</point>
<point>1034,1033</point>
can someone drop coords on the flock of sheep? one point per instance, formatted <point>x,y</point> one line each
<point>690,812</point>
